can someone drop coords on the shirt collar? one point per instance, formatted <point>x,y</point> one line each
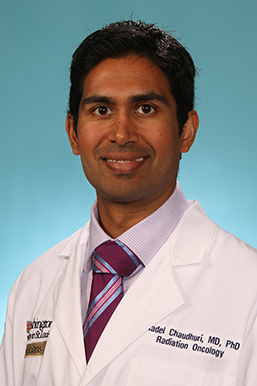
<point>146,237</point>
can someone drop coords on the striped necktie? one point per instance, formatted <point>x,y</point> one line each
<point>112,261</point>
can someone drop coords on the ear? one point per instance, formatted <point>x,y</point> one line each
<point>189,131</point>
<point>71,134</point>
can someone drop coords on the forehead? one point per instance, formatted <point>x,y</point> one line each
<point>126,75</point>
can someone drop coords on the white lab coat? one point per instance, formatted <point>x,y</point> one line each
<point>189,319</point>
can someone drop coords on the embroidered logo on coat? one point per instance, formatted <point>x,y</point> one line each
<point>38,329</point>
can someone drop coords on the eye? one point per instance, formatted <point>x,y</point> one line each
<point>145,109</point>
<point>102,110</point>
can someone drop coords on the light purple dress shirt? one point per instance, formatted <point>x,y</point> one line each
<point>145,239</point>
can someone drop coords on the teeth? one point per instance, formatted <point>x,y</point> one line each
<point>124,161</point>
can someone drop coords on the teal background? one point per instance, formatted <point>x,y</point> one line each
<point>44,195</point>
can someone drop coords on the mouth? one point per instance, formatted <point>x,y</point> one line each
<point>124,164</point>
<point>122,161</point>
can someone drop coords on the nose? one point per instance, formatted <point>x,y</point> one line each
<point>123,130</point>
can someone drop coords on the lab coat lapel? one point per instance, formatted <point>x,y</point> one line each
<point>67,300</point>
<point>137,311</point>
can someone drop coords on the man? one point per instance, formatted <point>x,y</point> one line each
<point>188,314</point>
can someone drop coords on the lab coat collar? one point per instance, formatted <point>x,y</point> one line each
<point>192,236</point>
<point>69,248</point>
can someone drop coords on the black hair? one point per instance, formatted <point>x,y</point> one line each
<point>124,38</point>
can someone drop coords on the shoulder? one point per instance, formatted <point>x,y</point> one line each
<point>216,258</point>
<point>51,257</point>
<point>48,267</point>
<point>197,236</point>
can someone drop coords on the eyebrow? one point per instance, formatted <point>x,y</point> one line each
<point>149,96</point>
<point>96,99</point>
<point>144,97</point>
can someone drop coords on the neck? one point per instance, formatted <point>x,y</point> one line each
<point>116,218</point>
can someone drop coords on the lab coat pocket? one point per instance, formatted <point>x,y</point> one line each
<point>153,373</point>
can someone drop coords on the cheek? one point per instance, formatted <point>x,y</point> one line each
<point>88,140</point>
<point>168,153</point>
<point>165,143</point>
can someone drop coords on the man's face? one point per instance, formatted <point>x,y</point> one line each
<point>128,133</point>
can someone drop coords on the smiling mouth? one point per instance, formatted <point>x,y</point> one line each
<point>124,165</point>
<point>120,161</point>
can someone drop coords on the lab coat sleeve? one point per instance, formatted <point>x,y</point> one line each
<point>3,370</point>
<point>7,371</point>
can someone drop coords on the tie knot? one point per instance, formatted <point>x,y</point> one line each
<point>114,257</point>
